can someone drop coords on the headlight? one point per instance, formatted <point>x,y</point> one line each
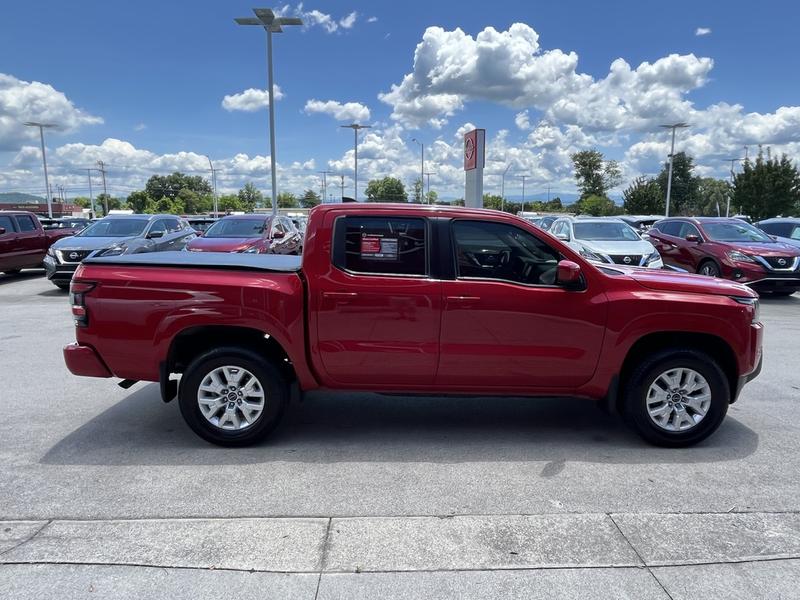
<point>251,250</point>
<point>737,256</point>
<point>751,302</point>
<point>654,257</point>
<point>115,250</point>
<point>51,253</point>
<point>589,255</point>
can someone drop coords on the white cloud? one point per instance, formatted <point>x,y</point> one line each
<point>700,31</point>
<point>522,121</point>
<point>250,100</point>
<point>317,18</point>
<point>139,127</point>
<point>349,111</point>
<point>22,101</point>
<point>372,19</point>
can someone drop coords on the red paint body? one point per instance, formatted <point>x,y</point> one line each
<point>415,334</point>
<point>24,248</point>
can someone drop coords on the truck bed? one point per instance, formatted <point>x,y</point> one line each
<point>274,263</point>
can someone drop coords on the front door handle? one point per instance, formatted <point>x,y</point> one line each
<point>340,295</point>
<point>462,300</point>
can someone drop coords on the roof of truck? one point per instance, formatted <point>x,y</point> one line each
<point>361,207</point>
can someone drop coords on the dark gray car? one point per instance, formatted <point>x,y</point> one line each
<point>783,229</point>
<point>113,236</point>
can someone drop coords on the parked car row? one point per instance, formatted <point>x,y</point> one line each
<point>24,242</point>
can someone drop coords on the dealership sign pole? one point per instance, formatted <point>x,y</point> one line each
<point>474,161</point>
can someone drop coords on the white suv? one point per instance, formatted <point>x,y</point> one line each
<point>607,240</point>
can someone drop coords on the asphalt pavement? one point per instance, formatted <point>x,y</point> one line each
<point>104,492</point>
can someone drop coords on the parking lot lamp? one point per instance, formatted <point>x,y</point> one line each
<point>47,194</point>
<point>355,127</point>
<point>271,24</point>
<point>674,126</point>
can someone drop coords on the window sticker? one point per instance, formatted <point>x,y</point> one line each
<point>379,247</point>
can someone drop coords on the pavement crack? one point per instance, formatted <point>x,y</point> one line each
<point>640,557</point>
<point>324,556</point>
<point>27,539</point>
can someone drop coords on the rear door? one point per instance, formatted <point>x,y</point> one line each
<point>9,253</point>
<point>30,242</point>
<point>665,239</point>
<point>378,309</point>
<point>506,323</point>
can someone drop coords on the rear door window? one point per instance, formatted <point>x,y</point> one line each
<point>672,228</point>
<point>381,245</point>
<point>25,223</point>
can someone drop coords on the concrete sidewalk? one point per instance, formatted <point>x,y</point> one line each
<point>642,556</point>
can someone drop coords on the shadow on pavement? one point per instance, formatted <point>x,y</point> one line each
<point>325,428</point>
<point>23,276</point>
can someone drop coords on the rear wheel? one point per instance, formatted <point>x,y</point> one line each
<point>676,397</point>
<point>709,268</point>
<point>232,397</point>
<point>780,293</point>
<point>13,272</point>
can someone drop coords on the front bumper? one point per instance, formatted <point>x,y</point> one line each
<point>761,278</point>
<point>59,272</point>
<point>84,361</point>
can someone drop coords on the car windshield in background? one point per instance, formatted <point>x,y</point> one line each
<point>609,231</point>
<point>236,228</point>
<point>735,232</point>
<point>115,228</point>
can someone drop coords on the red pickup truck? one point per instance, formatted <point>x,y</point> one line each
<point>24,242</point>
<point>416,300</point>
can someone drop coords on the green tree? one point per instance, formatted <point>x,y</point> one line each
<point>643,197</point>
<point>768,187</point>
<point>140,202</point>
<point>287,200</point>
<point>712,196</point>
<point>388,189</point>
<point>102,199</point>
<point>230,203</point>
<point>193,203</point>
<point>309,199</point>
<point>250,197</point>
<point>493,201</point>
<point>417,192</point>
<point>595,175</point>
<point>431,197</point>
<point>597,206</point>
<point>554,205</point>
<point>171,185</point>
<point>683,197</point>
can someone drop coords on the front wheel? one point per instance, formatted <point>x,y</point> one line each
<point>709,268</point>
<point>676,397</point>
<point>232,397</point>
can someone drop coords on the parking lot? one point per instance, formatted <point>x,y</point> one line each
<point>368,496</point>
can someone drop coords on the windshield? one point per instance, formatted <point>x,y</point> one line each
<point>605,231</point>
<point>115,228</point>
<point>236,228</point>
<point>735,232</point>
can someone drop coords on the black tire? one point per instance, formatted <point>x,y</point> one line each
<point>711,268</point>
<point>13,272</point>
<point>779,293</point>
<point>645,374</point>
<point>62,286</point>
<point>273,383</point>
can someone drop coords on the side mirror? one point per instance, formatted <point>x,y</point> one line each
<point>568,275</point>
<point>563,237</point>
<point>154,235</point>
<point>693,238</point>
<point>277,235</point>
<point>774,237</point>
<point>2,230</point>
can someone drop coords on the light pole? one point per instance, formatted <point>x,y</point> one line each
<point>213,184</point>
<point>674,126</point>
<point>428,175</point>
<point>733,161</point>
<point>503,189</point>
<point>324,184</point>
<point>102,170</point>
<point>523,177</point>
<point>91,197</point>
<point>271,24</point>
<point>355,127</point>
<point>47,194</point>
<point>421,164</point>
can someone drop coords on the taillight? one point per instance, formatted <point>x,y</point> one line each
<point>77,298</point>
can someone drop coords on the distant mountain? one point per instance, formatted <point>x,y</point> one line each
<point>20,198</point>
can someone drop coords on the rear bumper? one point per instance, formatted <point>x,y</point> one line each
<point>755,359</point>
<point>84,361</point>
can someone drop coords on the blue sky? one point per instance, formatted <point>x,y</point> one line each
<point>156,73</point>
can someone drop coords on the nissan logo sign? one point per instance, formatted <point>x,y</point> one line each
<point>627,260</point>
<point>73,255</point>
<point>782,262</point>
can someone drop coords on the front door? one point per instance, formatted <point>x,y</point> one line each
<point>30,242</point>
<point>9,253</point>
<point>506,323</point>
<point>378,310</point>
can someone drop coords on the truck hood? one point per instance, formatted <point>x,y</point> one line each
<point>77,242</point>
<point>204,244</point>
<point>614,247</point>
<point>666,281</point>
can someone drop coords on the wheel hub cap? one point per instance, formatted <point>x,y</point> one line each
<point>231,398</point>
<point>678,399</point>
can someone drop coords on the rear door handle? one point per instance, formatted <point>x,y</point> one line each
<point>463,299</point>
<point>340,295</point>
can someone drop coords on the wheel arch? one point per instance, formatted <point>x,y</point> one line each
<point>713,345</point>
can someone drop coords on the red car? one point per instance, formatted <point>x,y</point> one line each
<point>416,300</point>
<point>251,234</point>
<point>731,249</point>
<point>24,242</point>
